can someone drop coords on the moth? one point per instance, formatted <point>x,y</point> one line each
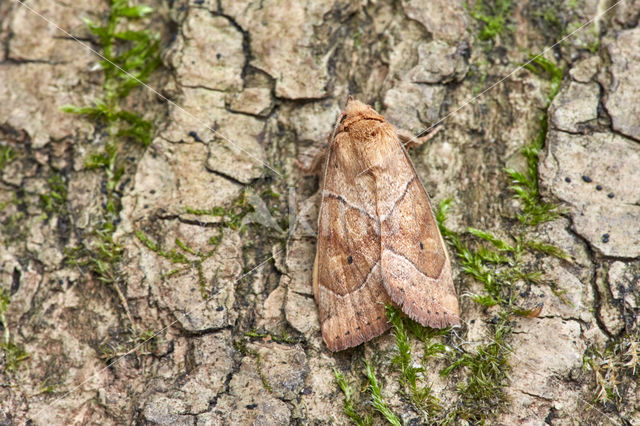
<point>378,240</point>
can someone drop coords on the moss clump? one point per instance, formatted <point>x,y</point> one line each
<point>185,256</point>
<point>376,395</point>
<point>419,394</point>
<point>248,209</point>
<point>241,346</point>
<point>7,155</point>
<point>129,57</point>
<point>493,15</point>
<point>231,216</point>
<point>349,401</point>
<point>525,184</point>
<point>54,201</point>
<point>482,393</point>
<point>12,354</point>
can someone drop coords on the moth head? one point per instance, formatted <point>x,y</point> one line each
<point>355,111</point>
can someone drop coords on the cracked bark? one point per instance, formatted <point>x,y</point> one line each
<point>62,314</point>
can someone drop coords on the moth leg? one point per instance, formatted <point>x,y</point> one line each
<point>410,141</point>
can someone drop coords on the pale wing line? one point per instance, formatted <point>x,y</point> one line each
<point>402,258</point>
<point>349,204</point>
<point>398,199</point>
<point>157,333</point>
<point>363,285</point>
<point>413,265</point>
<point>145,85</point>
<point>471,100</point>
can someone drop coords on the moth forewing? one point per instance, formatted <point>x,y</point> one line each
<point>378,242</point>
<point>414,250</point>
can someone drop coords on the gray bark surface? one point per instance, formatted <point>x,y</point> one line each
<point>270,78</point>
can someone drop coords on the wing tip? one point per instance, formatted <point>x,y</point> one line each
<point>434,315</point>
<point>439,317</point>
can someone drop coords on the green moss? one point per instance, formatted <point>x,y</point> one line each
<point>413,387</point>
<point>263,378</point>
<point>497,266</point>
<point>45,387</point>
<point>550,15</point>
<point>555,74</point>
<point>557,20</point>
<point>419,394</point>
<point>501,245</point>
<point>241,346</point>
<point>13,354</point>
<point>248,211</point>
<point>592,44</point>
<point>482,392</point>
<point>231,216</point>
<point>7,155</point>
<point>493,15</point>
<point>250,215</point>
<point>183,255</point>
<point>54,201</point>
<point>189,258</point>
<point>137,56</point>
<point>173,255</point>
<point>14,227</point>
<point>493,267</point>
<point>130,57</point>
<point>349,402</point>
<point>548,249</point>
<point>100,253</point>
<point>376,394</point>
<point>525,184</point>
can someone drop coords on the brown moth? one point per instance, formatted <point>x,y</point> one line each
<point>378,240</point>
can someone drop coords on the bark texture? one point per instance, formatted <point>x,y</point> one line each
<point>270,78</point>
